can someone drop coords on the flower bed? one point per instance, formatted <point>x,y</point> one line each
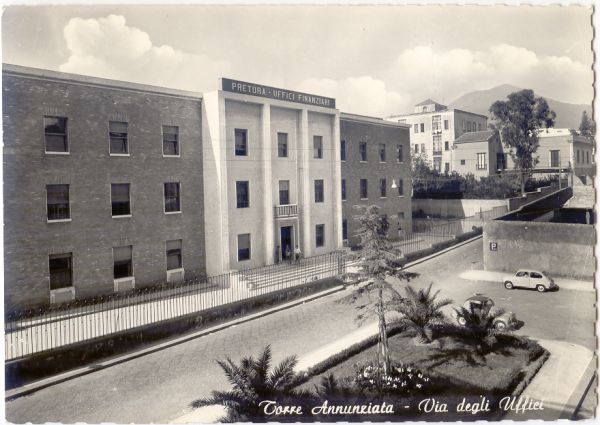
<point>446,371</point>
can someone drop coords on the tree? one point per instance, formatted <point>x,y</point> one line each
<point>421,310</point>
<point>377,261</point>
<point>587,127</point>
<point>519,121</point>
<point>253,381</point>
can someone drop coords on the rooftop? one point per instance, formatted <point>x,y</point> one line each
<point>435,112</point>
<point>345,116</point>
<point>475,136</point>
<point>429,102</point>
<point>47,74</point>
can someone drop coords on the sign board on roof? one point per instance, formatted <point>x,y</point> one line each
<point>242,87</point>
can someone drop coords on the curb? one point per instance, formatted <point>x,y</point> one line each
<point>57,379</point>
<point>580,392</point>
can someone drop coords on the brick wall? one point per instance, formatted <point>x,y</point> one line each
<point>355,132</point>
<point>89,170</point>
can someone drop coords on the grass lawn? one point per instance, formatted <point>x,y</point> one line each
<point>456,370</point>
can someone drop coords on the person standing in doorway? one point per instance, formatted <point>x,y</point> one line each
<point>288,253</point>
<point>297,254</point>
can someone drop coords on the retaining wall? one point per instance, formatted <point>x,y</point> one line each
<point>455,208</point>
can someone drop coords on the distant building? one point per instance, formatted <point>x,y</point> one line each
<point>375,157</point>
<point>482,154</point>
<point>434,128</point>
<point>479,153</point>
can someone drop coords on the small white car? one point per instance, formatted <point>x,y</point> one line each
<point>526,278</point>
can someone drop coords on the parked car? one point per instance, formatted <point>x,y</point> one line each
<point>479,303</point>
<point>526,278</point>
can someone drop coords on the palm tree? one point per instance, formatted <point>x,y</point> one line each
<point>253,381</point>
<point>421,310</point>
<point>478,326</point>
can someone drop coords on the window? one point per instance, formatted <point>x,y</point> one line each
<point>481,164</point>
<point>61,270</point>
<point>284,192</point>
<point>170,134</point>
<point>363,189</point>
<point>446,167</point>
<point>362,148</point>
<point>436,124</point>
<point>462,162</point>
<point>422,128</point>
<point>437,144</point>
<point>244,247</point>
<point>242,192</point>
<point>400,187</point>
<point>468,125</point>
<point>172,197</point>
<point>416,128</point>
<point>479,126</point>
<point>522,274</point>
<point>174,257</point>
<point>445,124</point>
<point>554,158</point>
<point>57,202</point>
<point>119,195</point>
<point>382,152</point>
<point>117,132</point>
<point>578,156</point>
<point>241,142</point>
<point>587,155</point>
<point>343,189</point>
<point>535,275</point>
<point>416,148</point>
<point>399,154</point>
<point>446,146</point>
<point>343,150</point>
<point>500,161</point>
<point>282,145</point>
<point>318,147</point>
<point>422,147</point>
<point>319,192</point>
<point>122,262</point>
<point>345,229</point>
<point>55,134</point>
<point>320,235</point>
<point>382,188</point>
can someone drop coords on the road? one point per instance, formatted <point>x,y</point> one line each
<point>159,387</point>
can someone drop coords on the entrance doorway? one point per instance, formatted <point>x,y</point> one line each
<point>287,242</point>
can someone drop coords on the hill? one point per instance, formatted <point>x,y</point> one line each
<point>568,115</point>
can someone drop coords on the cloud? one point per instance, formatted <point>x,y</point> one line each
<point>446,75</point>
<point>107,47</point>
<point>363,95</point>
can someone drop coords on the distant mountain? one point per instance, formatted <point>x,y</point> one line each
<point>568,115</point>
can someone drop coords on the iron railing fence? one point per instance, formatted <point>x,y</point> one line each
<point>33,331</point>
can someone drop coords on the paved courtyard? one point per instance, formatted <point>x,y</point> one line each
<point>159,387</point>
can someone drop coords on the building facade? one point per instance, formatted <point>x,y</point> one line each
<point>112,186</point>
<point>272,175</point>
<point>559,150</point>
<point>479,153</point>
<point>434,128</point>
<point>375,158</point>
<point>101,186</point>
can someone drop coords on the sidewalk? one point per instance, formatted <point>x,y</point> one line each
<point>498,277</point>
<point>556,381</point>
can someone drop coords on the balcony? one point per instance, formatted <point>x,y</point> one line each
<point>283,211</point>
<point>437,152</point>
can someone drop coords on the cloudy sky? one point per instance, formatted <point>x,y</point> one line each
<point>375,60</point>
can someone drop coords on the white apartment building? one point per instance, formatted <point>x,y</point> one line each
<point>434,129</point>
